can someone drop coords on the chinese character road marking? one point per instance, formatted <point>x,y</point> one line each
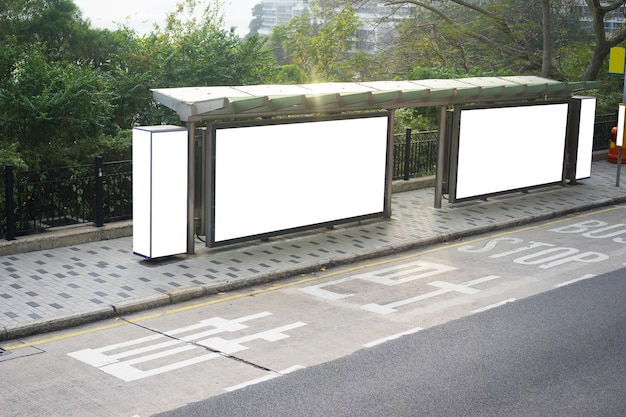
<point>391,276</point>
<point>444,288</point>
<point>119,361</point>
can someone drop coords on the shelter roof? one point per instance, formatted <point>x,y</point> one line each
<point>218,103</point>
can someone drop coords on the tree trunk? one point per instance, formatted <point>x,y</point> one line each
<point>546,63</point>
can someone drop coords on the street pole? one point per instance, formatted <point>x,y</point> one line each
<point>617,64</point>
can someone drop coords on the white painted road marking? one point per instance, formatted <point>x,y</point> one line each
<point>489,307</point>
<point>391,276</point>
<point>392,337</point>
<point>563,284</point>
<point>264,378</point>
<point>445,288</point>
<point>116,363</point>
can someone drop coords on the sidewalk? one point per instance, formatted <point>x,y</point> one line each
<point>58,288</point>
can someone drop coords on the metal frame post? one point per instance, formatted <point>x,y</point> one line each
<point>99,192</point>
<point>389,174</point>
<point>10,201</point>
<point>191,183</point>
<point>440,157</point>
<point>407,154</point>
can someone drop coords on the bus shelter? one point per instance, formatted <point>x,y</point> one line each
<point>230,116</point>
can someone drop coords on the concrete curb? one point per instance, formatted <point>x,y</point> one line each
<point>66,236</point>
<point>195,292</point>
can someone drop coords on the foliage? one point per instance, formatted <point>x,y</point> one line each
<point>319,41</point>
<point>495,35</point>
<point>68,91</point>
<point>52,108</point>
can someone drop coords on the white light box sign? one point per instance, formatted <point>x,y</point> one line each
<point>509,148</point>
<point>159,191</point>
<point>269,179</point>
<point>584,154</point>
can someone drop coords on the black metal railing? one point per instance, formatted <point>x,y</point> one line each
<point>602,130</point>
<point>40,199</point>
<point>415,154</point>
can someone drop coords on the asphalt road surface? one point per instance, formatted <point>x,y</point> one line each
<point>559,353</point>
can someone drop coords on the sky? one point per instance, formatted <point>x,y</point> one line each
<point>141,14</point>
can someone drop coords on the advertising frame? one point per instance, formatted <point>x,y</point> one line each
<point>274,177</point>
<point>509,147</point>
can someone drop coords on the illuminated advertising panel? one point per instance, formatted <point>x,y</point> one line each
<point>586,124</point>
<point>159,191</point>
<point>502,149</point>
<point>280,176</point>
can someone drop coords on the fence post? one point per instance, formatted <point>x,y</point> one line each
<point>10,201</point>
<point>407,155</point>
<point>99,193</point>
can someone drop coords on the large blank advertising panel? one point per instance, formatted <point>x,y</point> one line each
<point>502,149</point>
<point>275,177</point>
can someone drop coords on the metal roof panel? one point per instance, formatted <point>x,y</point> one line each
<point>212,103</point>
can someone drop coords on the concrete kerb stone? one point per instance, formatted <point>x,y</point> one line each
<point>141,304</point>
<point>57,323</point>
<point>66,236</point>
<point>180,295</point>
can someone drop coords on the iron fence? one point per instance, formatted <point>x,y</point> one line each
<point>415,157</point>
<point>40,199</point>
<point>602,130</point>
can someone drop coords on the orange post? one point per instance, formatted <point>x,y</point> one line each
<point>613,149</point>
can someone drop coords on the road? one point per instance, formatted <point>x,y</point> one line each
<point>560,353</point>
<point>161,360</point>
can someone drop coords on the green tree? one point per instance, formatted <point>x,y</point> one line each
<point>526,33</point>
<point>319,41</point>
<point>517,35</point>
<point>195,50</point>
<point>52,111</point>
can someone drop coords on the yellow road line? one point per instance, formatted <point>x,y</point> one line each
<point>275,287</point>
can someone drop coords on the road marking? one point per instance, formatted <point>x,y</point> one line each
<point>276,287</point>
<point>444,288</point>
<point>392,337</point>
<point>118,361</point>
<point>389,277</point>
<point>489,307</point>
<point>584,277</point>
<point>264,378</point>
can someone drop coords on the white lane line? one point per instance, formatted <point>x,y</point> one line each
<point>584,277</point>
<point>264,378</point>
<point>489,307</point>
<point>392,337</point>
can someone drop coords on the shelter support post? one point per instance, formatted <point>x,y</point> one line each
<point>440,157</point>
<point>389,174</point>
<point>191,185</point>
<point>207,178</point>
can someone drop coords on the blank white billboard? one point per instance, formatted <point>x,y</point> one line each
<point>159,191</point>
<point>586,126</point>
<point>509,148</point>
<point>273,178</point>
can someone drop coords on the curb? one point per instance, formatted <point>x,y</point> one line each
<point>194,292</point>
<point>66,236</point>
